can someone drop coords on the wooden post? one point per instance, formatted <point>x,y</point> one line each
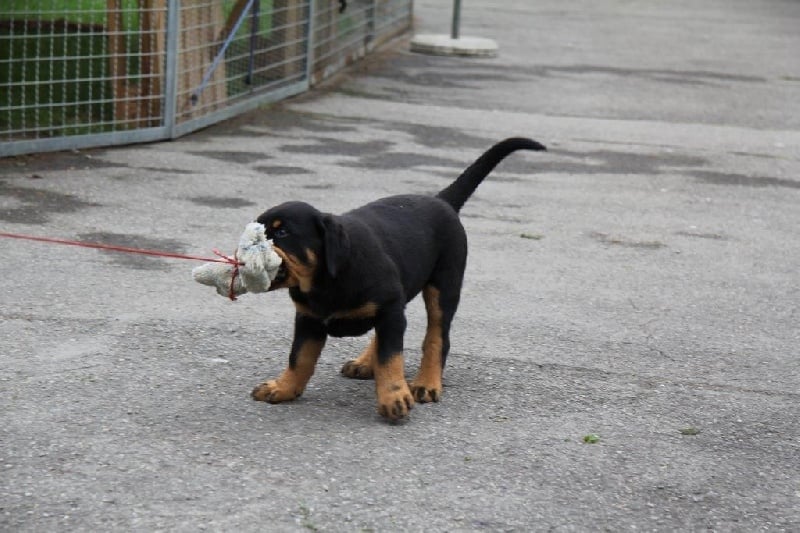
<point>287,24</point>
<point>153,33</point>
<point>123,93</point>
<point>137,106</point>
<point>200,26</point>
<point>325,38</point>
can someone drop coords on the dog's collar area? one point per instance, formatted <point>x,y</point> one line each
<point>280,277</point>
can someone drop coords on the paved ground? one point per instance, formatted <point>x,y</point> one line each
<point>638,282</point>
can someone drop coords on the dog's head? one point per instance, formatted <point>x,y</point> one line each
<point>312,244</point>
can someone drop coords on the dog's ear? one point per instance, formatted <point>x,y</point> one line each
<point>337,245</point>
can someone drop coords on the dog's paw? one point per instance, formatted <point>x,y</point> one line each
<point>274,391</point>
<point>357,369</point>
<point>426,392</point>
<point>395,401</point>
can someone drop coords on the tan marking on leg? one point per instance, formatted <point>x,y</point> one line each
<point>427,385</point>
<point>292,381</point>
<point>362,367</point>
<point>394,397</point>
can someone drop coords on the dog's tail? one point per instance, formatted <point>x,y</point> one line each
<point>458,192</point>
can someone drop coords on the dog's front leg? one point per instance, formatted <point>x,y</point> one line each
<point>309,339</point>
<point>394,396</point>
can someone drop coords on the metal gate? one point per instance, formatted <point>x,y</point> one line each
<point>80,73</point>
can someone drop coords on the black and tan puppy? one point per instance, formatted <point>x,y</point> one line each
<point>351,273</point>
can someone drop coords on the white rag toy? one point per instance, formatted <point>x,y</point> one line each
<point>257,266</point>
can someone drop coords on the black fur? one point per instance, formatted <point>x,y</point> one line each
<point>362,267</point>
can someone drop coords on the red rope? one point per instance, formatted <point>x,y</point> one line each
<point>236,263</point>
<point>221,258</point>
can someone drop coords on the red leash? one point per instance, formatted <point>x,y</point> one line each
<point>221,258</point>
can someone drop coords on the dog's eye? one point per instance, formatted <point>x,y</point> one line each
<point>280,233</point>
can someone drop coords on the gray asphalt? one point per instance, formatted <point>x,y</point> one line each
<point>638,282</point>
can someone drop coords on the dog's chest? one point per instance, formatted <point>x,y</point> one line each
<point>349,327</point>
<point>350,321</point>
<point>355,320</point>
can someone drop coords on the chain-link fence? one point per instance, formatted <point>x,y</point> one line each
<point>79,73</point>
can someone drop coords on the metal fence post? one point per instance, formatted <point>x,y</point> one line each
<point>171,68</point>
<point>454,44</point>
<point>455,28</point>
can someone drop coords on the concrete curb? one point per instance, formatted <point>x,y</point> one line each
<point>445,45</point>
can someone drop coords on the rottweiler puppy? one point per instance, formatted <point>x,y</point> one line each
<point>351,273</point>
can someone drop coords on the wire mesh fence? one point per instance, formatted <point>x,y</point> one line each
<point>342,36</point>
<point>78,73</point>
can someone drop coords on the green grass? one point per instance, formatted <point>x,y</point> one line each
<point>57,81</point>
<point>87,12</point>
<point>56,88</point>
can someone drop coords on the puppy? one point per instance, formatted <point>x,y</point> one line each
<point>351,273</point>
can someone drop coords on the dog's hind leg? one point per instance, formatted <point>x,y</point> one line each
<point>363,366</point>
